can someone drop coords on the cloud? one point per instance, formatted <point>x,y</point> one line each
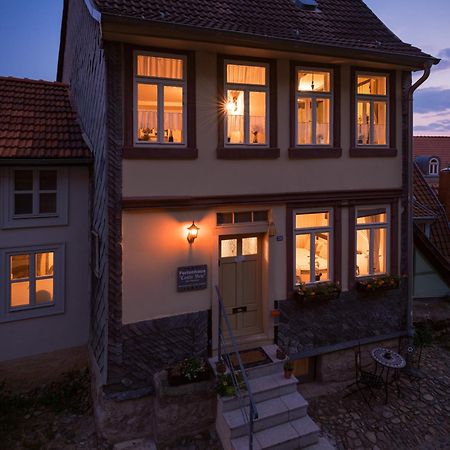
<point>432,123</point>
<point>444,55</point>
<point>431,99</point>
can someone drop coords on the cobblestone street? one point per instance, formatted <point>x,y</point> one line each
<point>404,423</point>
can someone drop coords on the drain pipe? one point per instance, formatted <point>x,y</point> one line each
<point>410,185</point>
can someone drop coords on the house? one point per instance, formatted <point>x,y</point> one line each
<point>432,154</point>
<point>253,146</point>
<point>431,242</point>
<point>44,234</point>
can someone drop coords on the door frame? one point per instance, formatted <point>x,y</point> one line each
<point>256,229</point>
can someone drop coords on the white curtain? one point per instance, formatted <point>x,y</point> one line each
<point>149,119</point>
<point>153,66</point>
<point>246,74</point>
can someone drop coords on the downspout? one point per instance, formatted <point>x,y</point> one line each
<point>410,247</point>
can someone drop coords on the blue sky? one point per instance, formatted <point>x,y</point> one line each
<point>29,39</point>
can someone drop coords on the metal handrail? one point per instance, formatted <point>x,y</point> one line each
<point>253,412</point>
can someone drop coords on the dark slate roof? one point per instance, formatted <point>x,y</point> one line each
<point>426,200</point>
<point>37,121</point>
<point>336,23</point>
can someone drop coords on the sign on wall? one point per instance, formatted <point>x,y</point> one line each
<point>192,278</point>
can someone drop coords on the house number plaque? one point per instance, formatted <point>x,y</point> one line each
<point>192,278</point>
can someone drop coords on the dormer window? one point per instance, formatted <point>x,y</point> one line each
<point>433,167</point>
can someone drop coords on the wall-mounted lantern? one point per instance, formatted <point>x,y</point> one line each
<point>192,233</point>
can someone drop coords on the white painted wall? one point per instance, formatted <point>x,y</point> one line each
<point>427,282</point>
<point>29,337</point>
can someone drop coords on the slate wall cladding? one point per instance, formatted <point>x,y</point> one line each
<point>353,316</point>
<point>153,345</point>
<point>84,70</point>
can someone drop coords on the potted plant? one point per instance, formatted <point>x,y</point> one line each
<point>288,368</point>
<point>377,283</point>
<point>190,370</point>
<point>221,367</point>
<point>225,386</point>
<point>281,354</point>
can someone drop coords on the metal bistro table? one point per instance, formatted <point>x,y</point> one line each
<point>387,360</point>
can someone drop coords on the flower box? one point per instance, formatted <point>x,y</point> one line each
<point>191,370</point>
<point>378,283</point>
<point>317,293</point>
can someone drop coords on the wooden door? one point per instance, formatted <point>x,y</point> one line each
<point>240,282</point>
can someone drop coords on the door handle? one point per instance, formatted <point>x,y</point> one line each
<point>239,309</point>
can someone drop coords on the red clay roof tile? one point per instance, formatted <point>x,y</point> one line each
<point>438,146</point>
<point>38,121</point>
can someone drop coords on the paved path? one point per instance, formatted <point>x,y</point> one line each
<point>405,423</point>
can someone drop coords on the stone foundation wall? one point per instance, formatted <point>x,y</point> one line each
<point>24,374</point>
<point>306,328</point>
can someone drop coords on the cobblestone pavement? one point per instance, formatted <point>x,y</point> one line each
<point>406,422</point>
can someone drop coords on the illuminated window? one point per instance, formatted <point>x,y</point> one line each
<point>34,192</point>
<point>314,100</point>
<point>160,89</point>
<point>313,235</point>
<point>372,238</point>
<point>246,104</point>
<point>31,279</point>
<point>372,109</point>
<point>433,166</point>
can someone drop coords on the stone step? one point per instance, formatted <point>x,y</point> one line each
<point>322,444</point>
<point>270,413</point>
<point>263,388</point>
<point>293,435</point>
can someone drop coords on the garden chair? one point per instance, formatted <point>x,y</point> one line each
<point>412,371</point>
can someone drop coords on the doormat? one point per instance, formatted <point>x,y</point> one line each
<point>250,358</point>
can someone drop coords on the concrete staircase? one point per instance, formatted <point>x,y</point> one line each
<point>283,423</point>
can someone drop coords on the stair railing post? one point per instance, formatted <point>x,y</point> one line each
<point>250,437</point>
<point>219,347</point>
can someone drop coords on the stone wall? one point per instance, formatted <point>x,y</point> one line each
<point>308,328</point>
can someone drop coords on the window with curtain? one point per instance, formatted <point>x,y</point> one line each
<point>312,254</point>
<point>160,89</point>
<point>314,98</point>
<point>245,104</point>
<point>371,241</point>
<point>371,109</point>
<point>31,279</point>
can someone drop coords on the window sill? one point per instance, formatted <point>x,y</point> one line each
<point>248,153</point>
<point>314,152</point>
<point>160,152</point>
<point>373,152</point>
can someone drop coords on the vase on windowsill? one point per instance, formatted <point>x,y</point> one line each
<point>377,283</point>
<point>317,293</point>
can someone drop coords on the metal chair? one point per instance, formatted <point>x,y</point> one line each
<point>412,369</point>
<point>364,379</point>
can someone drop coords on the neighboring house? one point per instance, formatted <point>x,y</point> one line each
<point>44,233</point>
<point>431,242</point>
<point>432,154</point>
<point>280,130</point>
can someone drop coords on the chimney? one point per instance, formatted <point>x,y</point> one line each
<point>444,190</point>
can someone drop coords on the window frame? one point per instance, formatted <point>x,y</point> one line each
<point>9,313</point>
<point>374,150</point>
<point>372,226</point>
<point>433,162</point>
<point>312,231</point>
<point>135,149</point>
<point>268,150</point>
<point>36,219</point>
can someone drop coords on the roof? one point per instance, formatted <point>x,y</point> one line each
<point>429,146</point>
<point>37,121</point>
<point>425,201</point>
<point>345,24</point>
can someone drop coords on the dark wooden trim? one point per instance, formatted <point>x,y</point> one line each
<point>314,152</point>
<point>289,251</point>
<point>337,245</point>
<point>393,244</point>
<point>247,152</point>
<point>373,152</point>
<point>46,162</point>
<point>351,247</point>
<point>273,123</point>
<point>384,151</point>
<point>336,91</point>
<point>160,152</point>
<point>292,199</point>
<point>153,151</point>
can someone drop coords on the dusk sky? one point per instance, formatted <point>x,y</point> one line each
<point>29,40</point>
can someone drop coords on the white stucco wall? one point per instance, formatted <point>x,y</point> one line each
<point>38,335</point>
